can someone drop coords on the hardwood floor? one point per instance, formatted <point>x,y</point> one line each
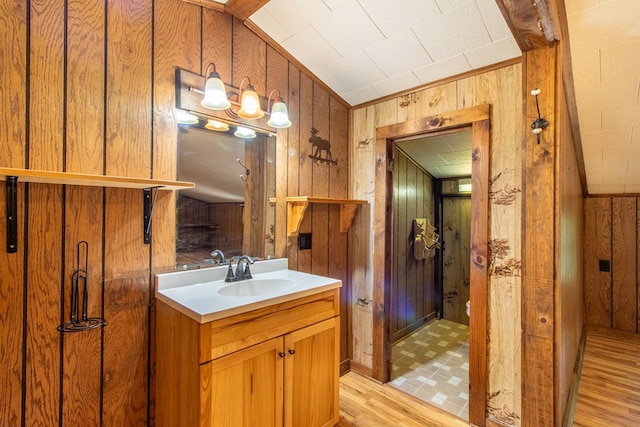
<point>609,389</point>
<point>366,403</point>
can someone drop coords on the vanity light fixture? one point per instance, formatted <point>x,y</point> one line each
<point>249,101</point>
<point>279,114</point>
<point>215,94</point>
<point>216,125</point>
<point>242,132</point>
<point>185,117</point>
<point>540,123</point>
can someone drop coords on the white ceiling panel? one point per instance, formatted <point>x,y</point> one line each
<point>350,15</point>
<point>488,54</point>
<point>439,70</point>
<point>397,83</point>
<point>393,17</point>
<point>311,49</point>
<point>399,54</point>
<point>441,42</point>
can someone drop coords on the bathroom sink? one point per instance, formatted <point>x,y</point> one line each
<point>255,287</point>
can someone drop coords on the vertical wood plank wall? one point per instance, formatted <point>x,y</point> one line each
<point>89,87</point>
<point>502,88</point>
<point>456,238</point>
<point>413,293</point>
<point>611,235</point>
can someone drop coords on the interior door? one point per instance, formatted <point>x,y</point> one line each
<point>456,234</point>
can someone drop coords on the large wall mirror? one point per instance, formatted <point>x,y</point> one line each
<point>229,209</point>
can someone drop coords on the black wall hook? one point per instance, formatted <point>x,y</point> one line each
<point>540,123</point>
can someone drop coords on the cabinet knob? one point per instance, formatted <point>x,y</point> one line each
<point>282,354</point>
<point>291,351</point>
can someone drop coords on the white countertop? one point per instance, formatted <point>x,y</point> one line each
<point>195,292</point>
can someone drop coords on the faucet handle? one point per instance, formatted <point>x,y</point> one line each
<point>247,271</point>
<point>230,276</point>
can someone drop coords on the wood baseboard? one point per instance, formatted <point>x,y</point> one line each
<point>361,369</point>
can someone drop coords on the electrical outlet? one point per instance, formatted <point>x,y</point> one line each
<point>304,241</point>
<point>605,265</point>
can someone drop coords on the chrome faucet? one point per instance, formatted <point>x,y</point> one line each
<point>218,253</point>
<point>242,269</point>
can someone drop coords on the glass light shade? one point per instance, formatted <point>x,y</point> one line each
<point>250,104</point>
<point>279,116</point>
<point>242,132</point>
<point>215,95</point>
<point>186,118</point>
<point>216,125</point>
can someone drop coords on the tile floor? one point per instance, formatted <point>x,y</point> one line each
<point>432,364</point>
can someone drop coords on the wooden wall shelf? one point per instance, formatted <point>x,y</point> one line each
<point>297,206</point>
<point>13,175</point>
<point>69,178</point>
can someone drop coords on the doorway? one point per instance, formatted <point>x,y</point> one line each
<point>430,288</point>
<point>477,119</point>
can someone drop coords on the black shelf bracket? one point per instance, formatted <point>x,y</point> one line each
<point>12,214</point>
<point>147,215</point>
<point>149,204</point>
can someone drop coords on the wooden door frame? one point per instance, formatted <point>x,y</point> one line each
<point>478,118</point>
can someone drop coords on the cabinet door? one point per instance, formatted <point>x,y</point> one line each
<point>312,369</point>
<point>243,389</point>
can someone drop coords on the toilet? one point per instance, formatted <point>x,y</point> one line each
<point>468,307</point>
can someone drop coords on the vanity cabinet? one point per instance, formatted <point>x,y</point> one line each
<point>274,366</point>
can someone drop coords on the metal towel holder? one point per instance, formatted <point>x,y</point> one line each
<point>80,281</point>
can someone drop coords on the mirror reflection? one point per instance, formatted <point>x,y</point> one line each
<point>228,209</point>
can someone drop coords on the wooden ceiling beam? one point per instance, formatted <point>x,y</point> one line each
<point>534,24</point>
<point>241,9</point>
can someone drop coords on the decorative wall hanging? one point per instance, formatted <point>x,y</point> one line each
<point>321,146</point>
<point>425,240</point>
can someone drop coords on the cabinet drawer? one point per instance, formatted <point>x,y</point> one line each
<point>225,336</point>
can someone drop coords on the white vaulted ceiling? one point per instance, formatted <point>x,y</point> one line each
<point>367,49</point>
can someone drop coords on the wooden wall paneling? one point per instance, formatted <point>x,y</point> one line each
<point>46,85</point>
<point>83,213</point>
<point>623,256</point>
<point>438,99</point>
<point>570,280</point>
<point>456,235</point>
<point>278,76</point>
<point>338,242</point>
<point>13,80</point>
<point>12,312</point>
<point>43,305</point>
<point>227,236</point>
<point>126,302</point>
<point>597,243</point>
<point>305,177</point>
<point>362,167</point>
<point>638,265</point>
<point>424,285</point>
<point>254,195</point>
<point>321,185</point>
<point>169,52</point>
<point>398,287</point>
<point>538,244</point>
<point>249,57</point>
<point>84,147</point>
<point>81,387</point>
<point>217,43</point>
<point>294,158</point>
<point>127,258</point>
<point>13,33</point>
<point>410,261</point>
<point>129,88</point>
